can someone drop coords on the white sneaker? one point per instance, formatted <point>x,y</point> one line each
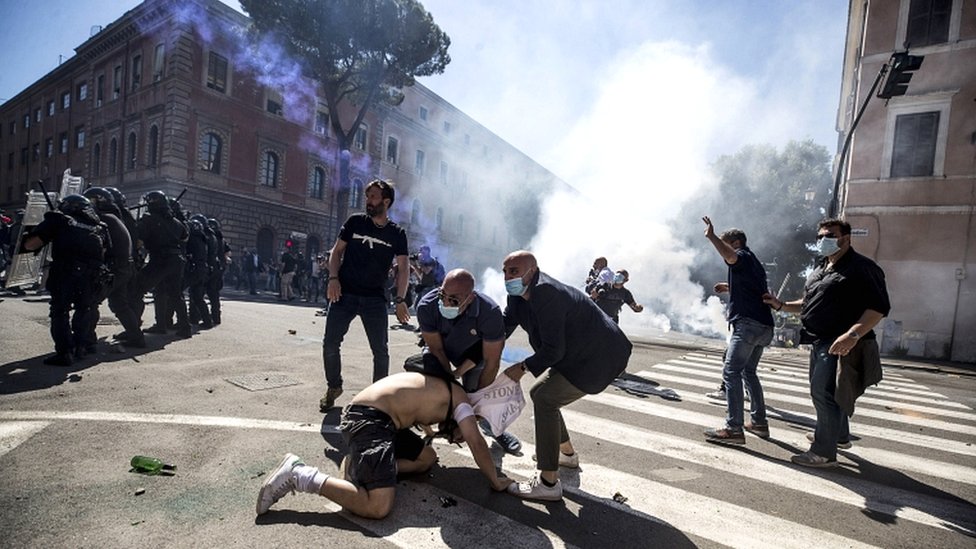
<point>535,489</point>
<point>568,461</point>
<point>717,395</point>
<point>278,483</point>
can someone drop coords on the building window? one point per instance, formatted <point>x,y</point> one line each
<point>26,121</point>
<point>117,82</point>
<point>317,184</point>
<point>274,103</point>
<point>63,139</point>
<point>419,163</point>
<point>322,122</point>
<point>100,90</point>
<point>447,128</point>
<point>80,137</point>
<point>423,113</point>
<point>153,156</point>
<point>113,156</point>
<point>467,140</point>
<point>392,146</point>
<point>36,152</point>
<point>136,75</point>
<point>50,108</point>
<point>439,219</point>
<point>269,169</point>
<point>217,73</point>
<point>928,23</point>
<point>23,156</point>
<point>913,152</point>
<point>82,91</point>
<point>158,60</point>
<point>37,114</point>
<point>444,172</point>
<point>13,128</point>
<point>357,194</point>
<point>130,152</point>
<point>360,141</point>
<point>211,149</point>
<point>49,147</point>
<point>97,160</point>
<point>415,212</point>
<point>65,100</point>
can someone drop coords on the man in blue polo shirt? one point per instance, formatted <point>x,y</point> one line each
<point>752,331</point>
<point>463,334</point>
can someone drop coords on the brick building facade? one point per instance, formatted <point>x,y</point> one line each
<point>171,96</point>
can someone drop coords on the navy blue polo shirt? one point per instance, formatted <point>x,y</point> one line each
<point>747,284</point>
<point>480,321</point>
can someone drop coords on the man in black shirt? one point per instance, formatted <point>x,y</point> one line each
<point>288,267</point>
<point>358,265</point>
<point>612,299</point>
<point>844,299</point>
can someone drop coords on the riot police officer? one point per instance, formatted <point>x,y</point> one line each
<point>118,258</point>
<point>199,252</point>
<point>79,240</point>
<point>216,282</point>
<point>163,236</point>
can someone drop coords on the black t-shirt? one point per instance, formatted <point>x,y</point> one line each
<point>612,300</point>
<point>369,252</point>
<point>288,263</point>
<point>836,296</point>
<point>747,284</point>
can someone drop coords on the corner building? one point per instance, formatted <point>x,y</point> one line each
<point>171,96</point>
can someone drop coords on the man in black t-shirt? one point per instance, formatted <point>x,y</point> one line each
<point>611,300</point>
<point>288,267</point>
<point>358,266</point>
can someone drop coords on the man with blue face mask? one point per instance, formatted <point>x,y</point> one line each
<point>579,350</point>
<point>463,336</point>
<point>845,297</point>
<point>612,299</point>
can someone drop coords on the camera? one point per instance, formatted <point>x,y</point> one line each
<point>414,256</point>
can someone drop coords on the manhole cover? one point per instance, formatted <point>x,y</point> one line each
<point>260,382</point>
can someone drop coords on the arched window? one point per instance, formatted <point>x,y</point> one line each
<point>113,156</point>
<point>130,153</point>
<point>415,212</point>
<point>97,160</point>
<point>211,149</point>
<point>439,220</point>
<point>356,194</point>
<point>317,183</point>
<point>153,156</point>
<point>269,169</point>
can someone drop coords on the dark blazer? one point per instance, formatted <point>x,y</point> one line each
<point>569,334</point>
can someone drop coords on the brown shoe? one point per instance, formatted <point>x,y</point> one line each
<point>725,436</point>
<point>761,431</point>
<point>327,402</point>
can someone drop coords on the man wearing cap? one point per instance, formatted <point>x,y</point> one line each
<point>463,334</point>
<point>579,350</point>
<point>376,426</point>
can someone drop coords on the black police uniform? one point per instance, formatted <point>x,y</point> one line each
<point>163,237</point>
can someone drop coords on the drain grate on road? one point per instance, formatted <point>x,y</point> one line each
<point>260,382</point>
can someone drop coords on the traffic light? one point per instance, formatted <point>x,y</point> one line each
<point>902,67</point>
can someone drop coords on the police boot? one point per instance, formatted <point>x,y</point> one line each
<point>155,329</point>
<point>60,359</point>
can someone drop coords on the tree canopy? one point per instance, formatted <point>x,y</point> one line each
<point>775,197</point>
<point>360,51</point>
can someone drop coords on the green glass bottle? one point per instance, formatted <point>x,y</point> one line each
<point>151,465</point>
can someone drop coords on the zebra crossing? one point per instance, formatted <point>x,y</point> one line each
<point>646,459</point>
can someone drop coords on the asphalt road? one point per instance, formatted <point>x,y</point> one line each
<point>647,478</point>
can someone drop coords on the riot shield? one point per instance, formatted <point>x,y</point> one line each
<point>25,267</point>
<point>71,184</point>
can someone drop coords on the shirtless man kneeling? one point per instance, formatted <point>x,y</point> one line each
<point>380,418</point>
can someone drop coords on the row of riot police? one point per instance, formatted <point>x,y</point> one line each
<point>99,251</point>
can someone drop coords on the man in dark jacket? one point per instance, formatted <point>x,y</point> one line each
<point>164,236</point>
<point>578,351</point>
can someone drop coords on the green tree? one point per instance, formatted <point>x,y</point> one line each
<point>776,197</point>
<point>360,51</point>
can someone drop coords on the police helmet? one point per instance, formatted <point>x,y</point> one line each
<point>74,204</point>
<point>156,201</point>
<point>214,224</point>
<point>101,199</point>
<point>118,196</point>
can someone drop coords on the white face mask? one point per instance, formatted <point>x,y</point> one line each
<point>827,246</point>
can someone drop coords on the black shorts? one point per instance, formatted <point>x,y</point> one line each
<point>375,445</point>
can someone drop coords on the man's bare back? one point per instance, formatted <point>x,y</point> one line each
<point>411,398</point>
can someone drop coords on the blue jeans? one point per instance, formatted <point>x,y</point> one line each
<point>741,360</point>
<point>832,423</point>
<point>372,311</point>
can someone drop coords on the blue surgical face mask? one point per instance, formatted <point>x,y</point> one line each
<point>618,279</point>
<point>449,313</point>
<point>515,287</point>
<point>827,246</point>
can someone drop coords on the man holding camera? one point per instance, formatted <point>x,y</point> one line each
<point>429,271</point>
